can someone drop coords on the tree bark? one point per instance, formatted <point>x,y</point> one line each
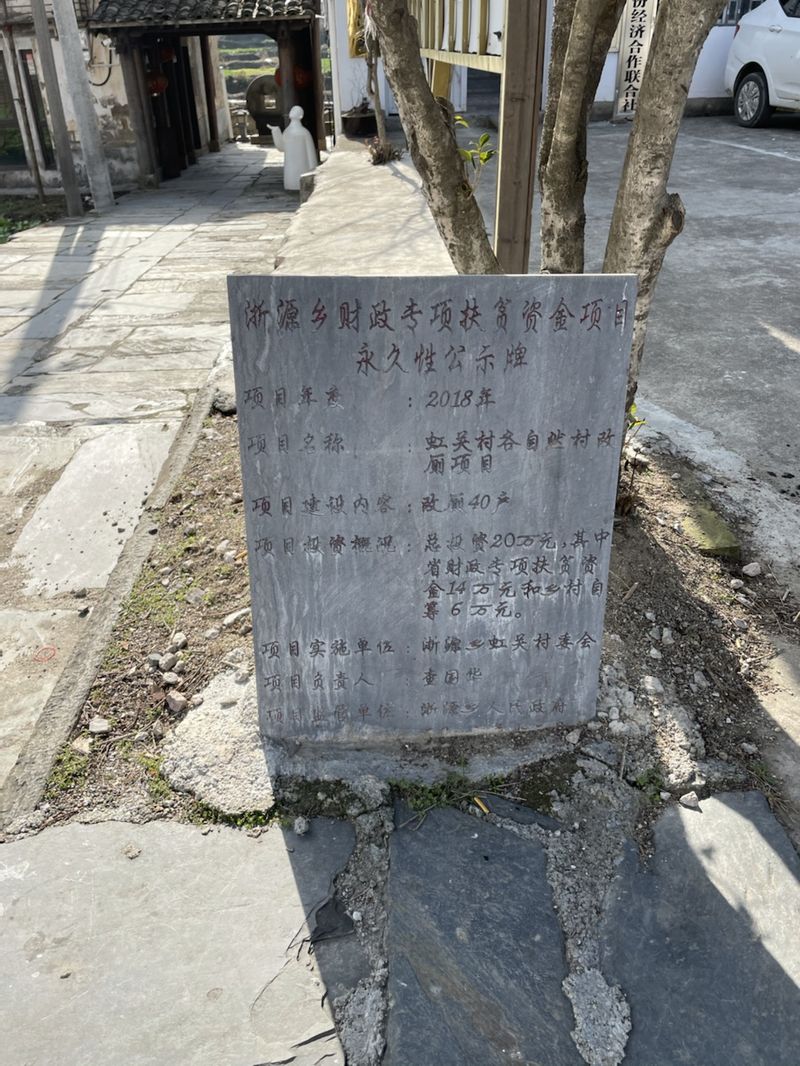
<point>582,32</point>
<point>374,90</point>
<point>431,142</point>
<point>646,217</point>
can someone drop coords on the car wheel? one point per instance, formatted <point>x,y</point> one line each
<point>751,103</point>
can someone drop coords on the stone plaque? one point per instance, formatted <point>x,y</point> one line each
<point>429,478</point>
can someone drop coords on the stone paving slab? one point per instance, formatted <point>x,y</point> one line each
<point>164,945</point>
<point>35,644</point>
<point>476,958</point>
<point>89,402</point>
<point>706,942</point>
<point>32,452</point>
<point>74,537</point>
<point>118,340</point>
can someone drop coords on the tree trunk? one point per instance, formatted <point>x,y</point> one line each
<point>646,217</point>
<point>582,32</point>
<point>373,90</point>
<point>431,142</point>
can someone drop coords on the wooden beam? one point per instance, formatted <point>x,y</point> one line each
<point>441,77</point>
<point>520,105</point>
<point>483,26</point>
<point>211,97</point>
<point>464,59</point>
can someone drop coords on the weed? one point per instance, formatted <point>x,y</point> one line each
<point>151,601</point>
<point>765,781</point>
<point>157,785</point>
<point>204,814</point>
<point>69,771</point>
<point>651,783</point>
<point>448,792</point>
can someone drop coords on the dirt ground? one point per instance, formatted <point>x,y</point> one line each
<point>691,619</point>
<point>22,212</point>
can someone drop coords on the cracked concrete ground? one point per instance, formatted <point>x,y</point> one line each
<point>109,328</point>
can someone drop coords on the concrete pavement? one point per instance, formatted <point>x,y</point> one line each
<point>109,327</point>
<point>721,369</point>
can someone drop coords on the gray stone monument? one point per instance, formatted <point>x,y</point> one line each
<point>429,477</point>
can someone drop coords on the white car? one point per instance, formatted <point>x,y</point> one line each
<point>763,68</point>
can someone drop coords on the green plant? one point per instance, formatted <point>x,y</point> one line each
<point>626,490</point>
<point>476,155</point>
<point>151,600</point>
<point>69,770</point>
<point>651,783</point>
<point>203,814</point>
<point>157,786</point>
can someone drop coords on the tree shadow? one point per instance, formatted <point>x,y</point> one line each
<point>704,941</point>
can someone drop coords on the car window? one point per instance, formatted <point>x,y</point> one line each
<point>791,8</point>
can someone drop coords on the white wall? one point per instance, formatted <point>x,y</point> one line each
<point>707,83</point>
<point>111,109</point>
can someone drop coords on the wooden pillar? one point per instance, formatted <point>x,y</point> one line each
<point>147,107</point>
<point>14,84</point>
<point>520,105</point>
<point>183,100</point>
<point>319,85</point>
<point>140,119</point>
<point>286,67</point>
<point>66,164</point>
<point>211,96</point>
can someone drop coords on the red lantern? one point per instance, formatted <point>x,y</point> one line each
<point>157,84</point>
<point>166,54</point>
<point>302,78</point>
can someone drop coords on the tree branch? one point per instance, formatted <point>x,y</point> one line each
<point>582,32</point>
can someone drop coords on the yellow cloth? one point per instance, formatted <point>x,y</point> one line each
<point>355,29</point>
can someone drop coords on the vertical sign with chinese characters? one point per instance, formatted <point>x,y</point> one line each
<point>429,471</point>
<point>637,22</point>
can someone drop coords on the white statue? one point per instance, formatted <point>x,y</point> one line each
<point>297,145</point>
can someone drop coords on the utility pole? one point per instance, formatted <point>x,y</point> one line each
<point>66,165</point>
<point>83,104</point>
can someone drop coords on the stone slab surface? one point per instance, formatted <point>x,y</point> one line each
<point>191,952</point>
<point>706,942</point>
<point>454,440</point>
<point>95,381</point>
<point>30,453</point>
<point>76,534</point>
<point>35,646</point>
<point>475,953</point>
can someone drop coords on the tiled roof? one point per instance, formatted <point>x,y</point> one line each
<point>173,12</point>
